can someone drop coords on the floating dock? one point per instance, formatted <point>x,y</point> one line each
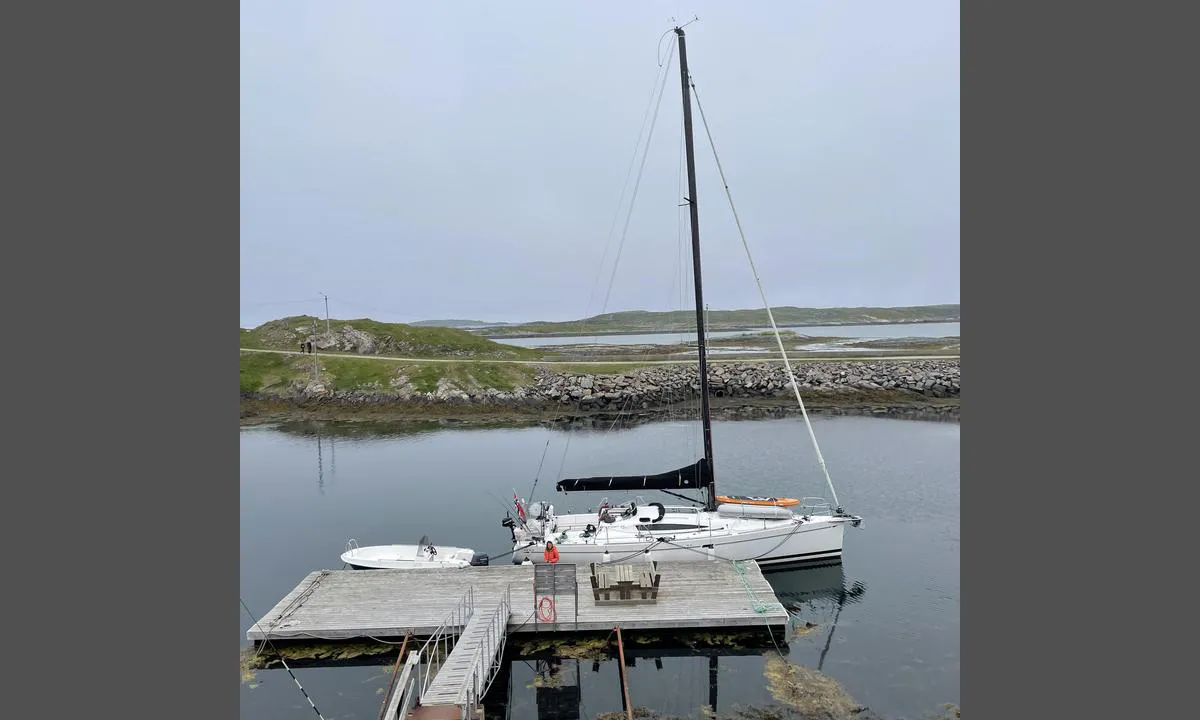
<point>358,604</point>
<point>467,614</point>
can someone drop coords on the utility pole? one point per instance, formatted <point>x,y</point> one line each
<point>326,313</point>
<point>316,364</point>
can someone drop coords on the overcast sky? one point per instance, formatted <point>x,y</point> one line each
<point>424,160</point>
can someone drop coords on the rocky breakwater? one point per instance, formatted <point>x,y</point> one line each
<point>665,384</point>
<point>661,386</point>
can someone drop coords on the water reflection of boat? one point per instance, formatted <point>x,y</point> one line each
<point>810,591</point>
<point>800,586</point>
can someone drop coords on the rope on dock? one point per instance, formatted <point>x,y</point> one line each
<point>297,601</point>
<point>759,606</point>
<point>285,665</point>
<point>288,610</point>
<point>756,603</point>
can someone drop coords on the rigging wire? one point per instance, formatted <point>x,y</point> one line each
<point>657,103</point>
<point>621,198</point>
<point>770,315</point>
<point>680,281</point>
<point>638,182</point>
<point>539,470</point>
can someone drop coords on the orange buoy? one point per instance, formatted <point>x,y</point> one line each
<point>755,500</point>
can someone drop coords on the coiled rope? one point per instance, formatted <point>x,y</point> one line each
<point>759,606</point>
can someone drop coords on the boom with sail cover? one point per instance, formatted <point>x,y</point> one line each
<point>695,476</point>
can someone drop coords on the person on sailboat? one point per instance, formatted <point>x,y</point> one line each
<point>551,554</point>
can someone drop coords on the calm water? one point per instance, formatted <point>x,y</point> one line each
<point>865,332</point>
<point>887,619</point>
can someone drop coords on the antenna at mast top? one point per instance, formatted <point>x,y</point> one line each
<point>689,22</point>
<point>678,29</point>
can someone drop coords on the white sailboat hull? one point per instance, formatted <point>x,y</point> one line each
<point>785,541</point>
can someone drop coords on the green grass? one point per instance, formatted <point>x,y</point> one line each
<point>272,374</point>
<point>410,341</point>
<point>356,374</point>
<point>265,371</point>
<point>501,376</point>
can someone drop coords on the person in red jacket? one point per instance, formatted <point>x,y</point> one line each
<point>551,554</point>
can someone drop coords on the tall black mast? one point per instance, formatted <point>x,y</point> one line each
<point>711,500</point>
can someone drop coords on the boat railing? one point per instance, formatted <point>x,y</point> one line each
<point>351,545</point>
<point>436,649</point>
<point>814,506</point>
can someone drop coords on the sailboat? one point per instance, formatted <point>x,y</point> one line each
<point>778,533</point>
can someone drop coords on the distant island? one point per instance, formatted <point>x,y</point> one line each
<point>459,324</point>
<point>648,322</point>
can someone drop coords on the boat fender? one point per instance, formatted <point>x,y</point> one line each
<point>765,512</point>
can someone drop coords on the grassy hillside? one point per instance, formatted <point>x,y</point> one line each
<point>638,321</point>
<point>370,337</point>
<point>271,373</point>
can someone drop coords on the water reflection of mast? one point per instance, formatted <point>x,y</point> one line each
<point>320,467</point>
<point>855,590</point>
<point>712,682</point>
<point>332,459</point>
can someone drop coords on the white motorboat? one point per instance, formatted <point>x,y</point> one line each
<point>423,555</point>
<point>775,532</point>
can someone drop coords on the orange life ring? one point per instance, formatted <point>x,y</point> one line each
<point>751,500</point>
<point>546,609</point>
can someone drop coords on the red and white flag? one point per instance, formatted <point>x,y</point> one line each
<point>520,507</point>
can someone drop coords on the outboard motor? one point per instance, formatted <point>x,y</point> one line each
<point>479,559</point>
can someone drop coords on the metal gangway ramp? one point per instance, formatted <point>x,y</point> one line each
<point>449,675</point>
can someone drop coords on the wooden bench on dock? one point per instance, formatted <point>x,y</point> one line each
<point>625,584</point>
